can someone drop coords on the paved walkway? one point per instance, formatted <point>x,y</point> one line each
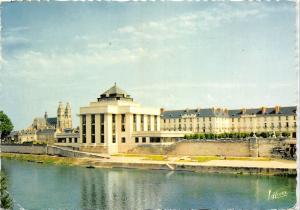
<point>289,164</point>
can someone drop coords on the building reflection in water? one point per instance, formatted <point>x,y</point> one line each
<point>118,190</point>
<point>138,189</point>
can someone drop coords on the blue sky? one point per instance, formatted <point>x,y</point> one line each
<point>174,55</point>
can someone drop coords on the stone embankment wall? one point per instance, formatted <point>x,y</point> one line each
<point>236,148</point>
<point>25,149</point>
<point>45,150</point>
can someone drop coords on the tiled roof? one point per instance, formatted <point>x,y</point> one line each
<point>115,90</point>
<point>46,131</point>
<point>194,112</point>
<point>52,120</point>
<point>291,110</point>
<point>283,111</point>
<point>114,93</point>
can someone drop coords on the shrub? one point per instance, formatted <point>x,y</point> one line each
<point>263,135</point>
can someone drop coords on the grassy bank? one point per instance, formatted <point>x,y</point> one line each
<point>42,158</point>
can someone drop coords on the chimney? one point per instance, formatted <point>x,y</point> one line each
<point>198,109</point>
<point>162,110</point>
<point>263,110</point>
<point>213,109</point>
<point>277,109</point>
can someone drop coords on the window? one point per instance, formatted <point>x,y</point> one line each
<point>113,139</point>
<point>113,118</point>
<point>134,122</point>
<point>136,139</point>
<point>142,123</point>
<point>102,138</point>
<point>294,117</point>
<point>101,118</point>
<point>149,122</point>
<point>154,139</point>
<point>93,139</point>
<point>83,119</point>
<point>123,120</point>
<point>102,128</point>
<point>279,125</point>
<point>287,118</point>
<point>232,119</point>
<point>191,120</point>
<point>83,128</point>
<point>93,119</point>
<point>179,120</point>
<point>144,139</point>
<point>287,124</point>
<point>123,140</point>
<point>265,125</point>
<point>209,118</point>
<point>295,125</point>
<point>75,140</point>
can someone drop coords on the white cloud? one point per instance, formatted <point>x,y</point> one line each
<point>180,26</point>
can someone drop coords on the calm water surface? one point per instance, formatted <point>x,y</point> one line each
<point>42,186</point>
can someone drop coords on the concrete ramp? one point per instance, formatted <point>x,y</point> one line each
<point>55,150</point>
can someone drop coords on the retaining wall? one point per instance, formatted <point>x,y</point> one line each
<point>45,150</point>
<point>25,149</point>
<point>244,148</point>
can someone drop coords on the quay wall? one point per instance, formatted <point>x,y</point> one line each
<point>234,148</point>
<point>24,149</point>
<point>45,150</point>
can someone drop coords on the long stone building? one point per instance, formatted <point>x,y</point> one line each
<point>217,120</point>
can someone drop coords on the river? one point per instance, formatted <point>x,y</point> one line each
<point>46,186</point>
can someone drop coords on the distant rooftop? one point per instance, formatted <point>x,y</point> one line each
<point>217,112</point>
<point>115,93</point>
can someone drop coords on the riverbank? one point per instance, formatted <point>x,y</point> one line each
<point>258,166</point>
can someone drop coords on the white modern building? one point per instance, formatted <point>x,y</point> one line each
<point>115,123</point>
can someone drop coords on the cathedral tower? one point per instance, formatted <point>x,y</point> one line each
<point>64,116</point>
<point>68,116</point>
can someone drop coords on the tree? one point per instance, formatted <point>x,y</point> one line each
<point>6,201</point>
<point>6,125</point>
